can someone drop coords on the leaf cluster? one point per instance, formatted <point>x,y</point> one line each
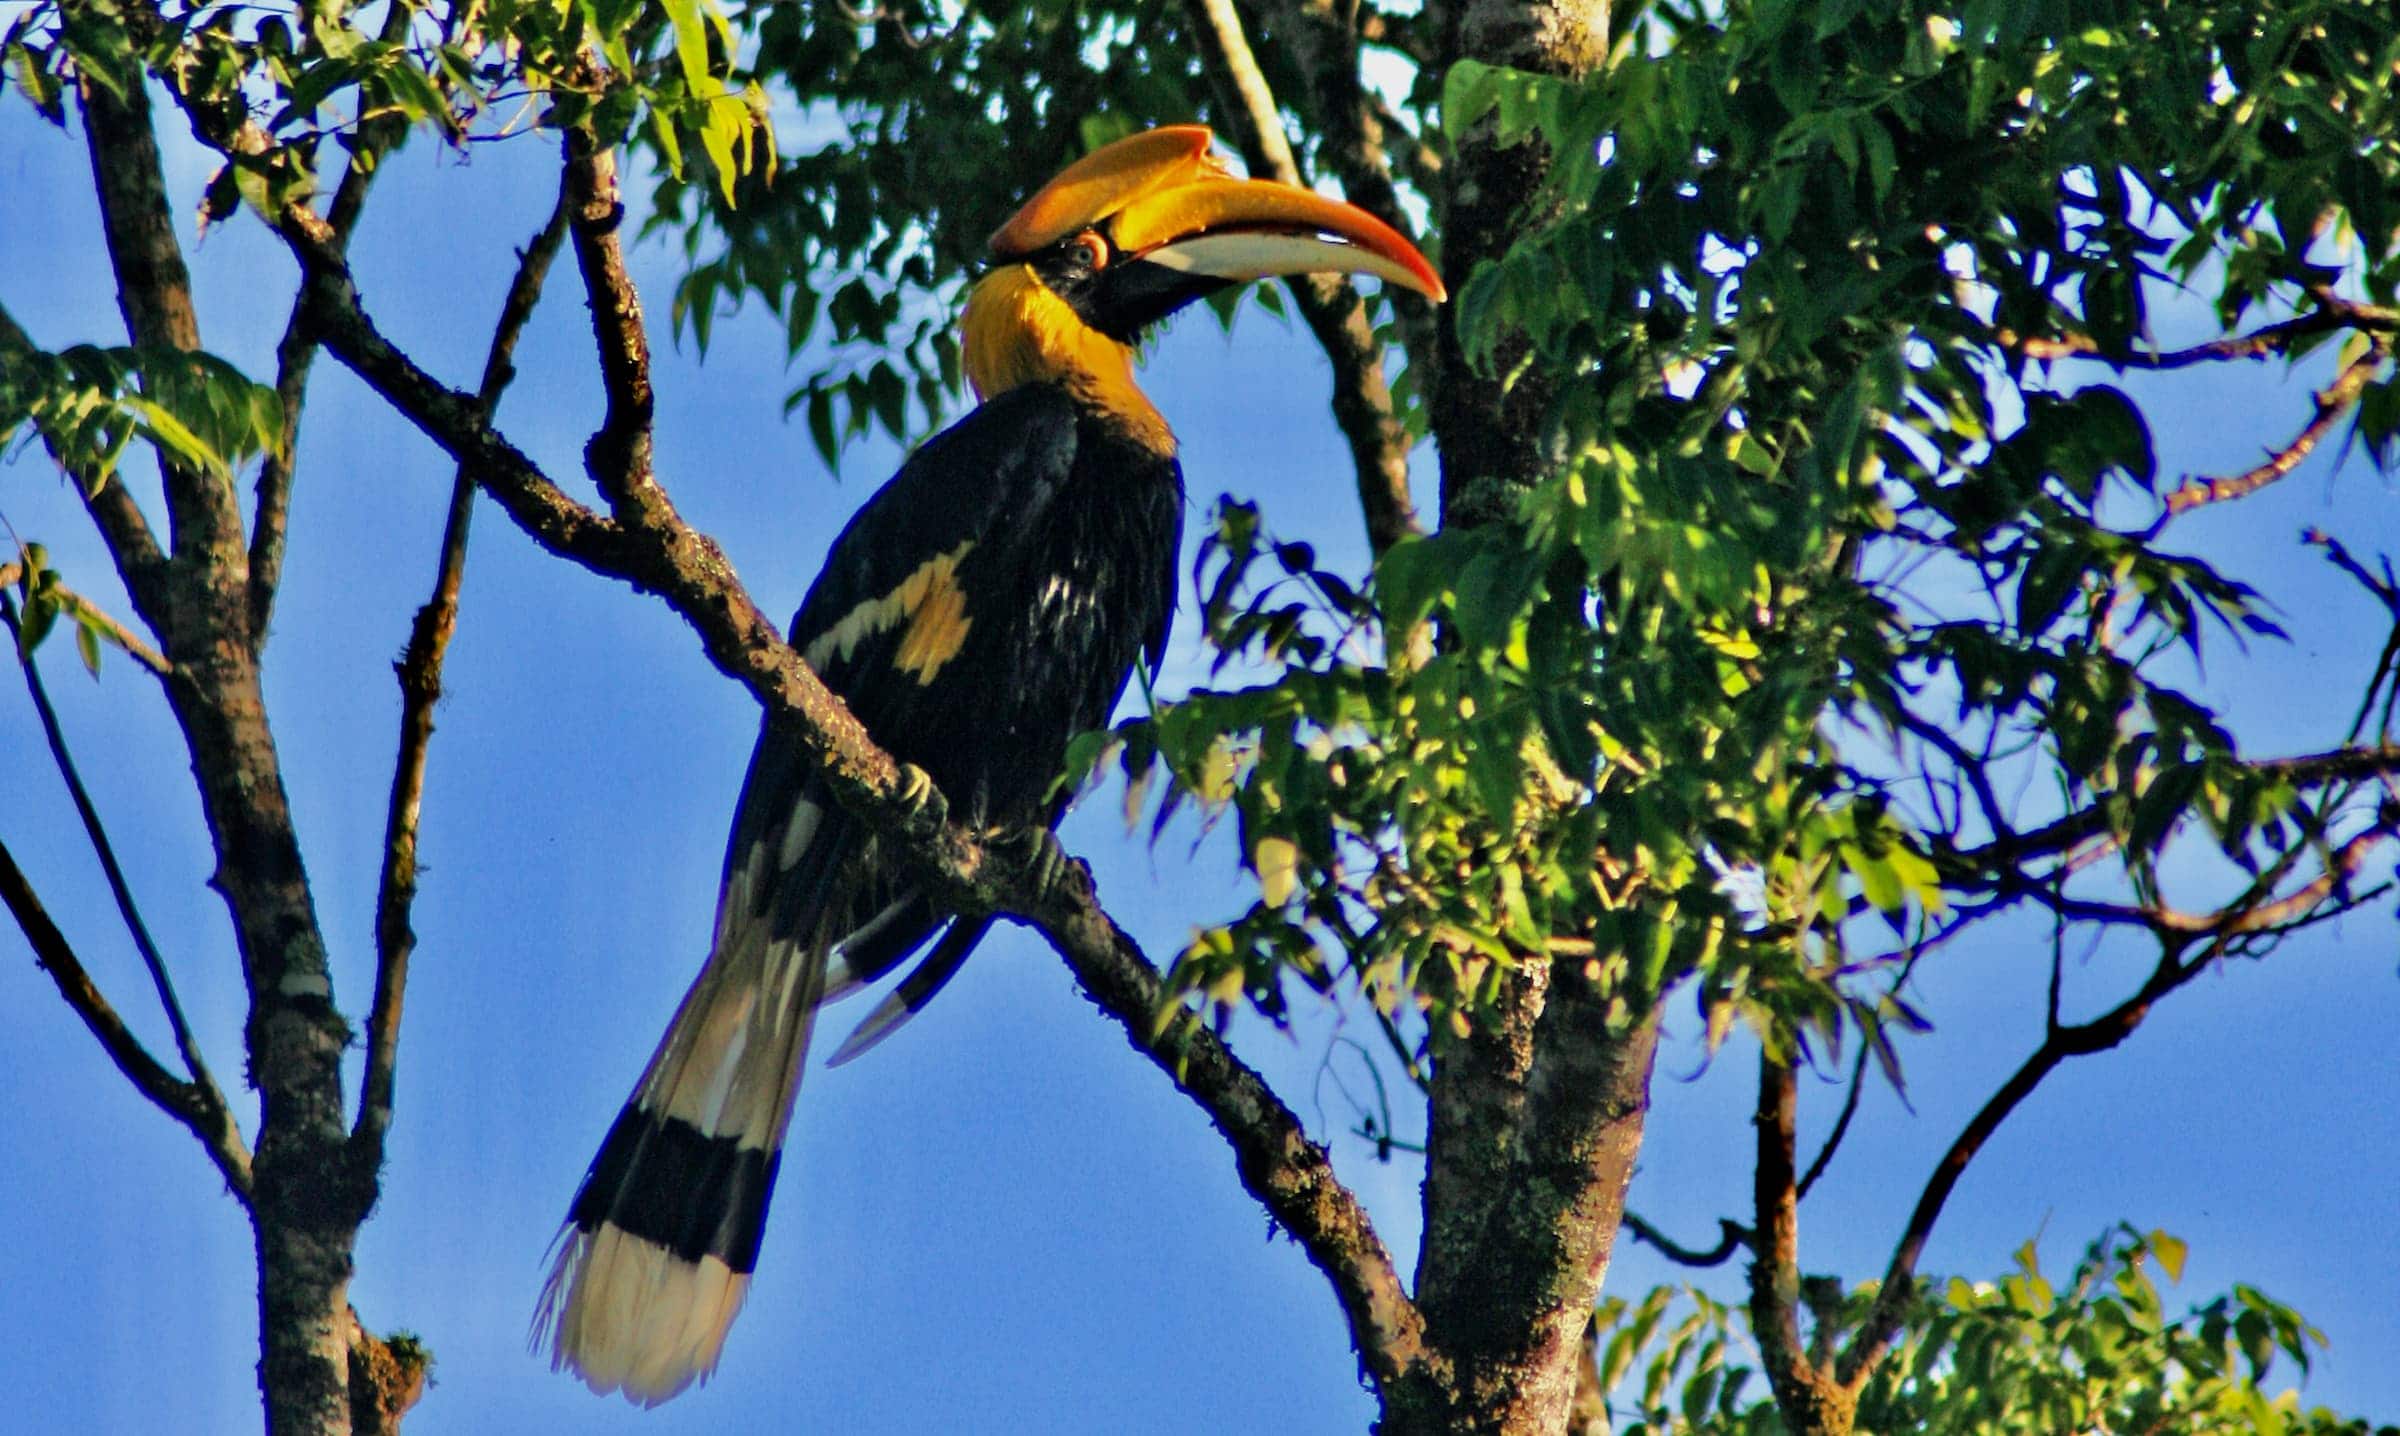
<point>1985,1358</point>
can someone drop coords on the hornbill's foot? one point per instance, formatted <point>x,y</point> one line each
<point>915,791</point>
<point>1049,873</point>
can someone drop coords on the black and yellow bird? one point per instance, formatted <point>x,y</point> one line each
<point>984,606</point>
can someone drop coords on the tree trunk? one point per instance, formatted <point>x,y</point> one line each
<point>309,1192</point>
<point>1537,1115</point>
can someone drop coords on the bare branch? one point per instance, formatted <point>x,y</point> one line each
<point>204,1085</point>
<point>420,672</point>
<point>1333,311</point>
<point>173,1096</point>
<point>1732,1237</point>
<point>618,456</point>
<point>2332,403</point>
<point>1841,1124</point>
<point>296,353</point>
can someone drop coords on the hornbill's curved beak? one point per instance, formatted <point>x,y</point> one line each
<point>1179,224</point>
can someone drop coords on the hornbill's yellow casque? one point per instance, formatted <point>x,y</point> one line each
<point>986,605</point>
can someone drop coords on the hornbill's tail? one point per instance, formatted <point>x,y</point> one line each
<point>656,1255</point>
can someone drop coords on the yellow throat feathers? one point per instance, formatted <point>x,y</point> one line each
<point>1016,331</point>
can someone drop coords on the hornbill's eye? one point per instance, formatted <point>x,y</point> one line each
<point>1089,249</point>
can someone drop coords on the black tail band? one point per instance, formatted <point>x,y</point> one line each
<point>666,1181</point>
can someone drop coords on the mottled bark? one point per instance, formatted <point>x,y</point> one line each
<point>1489,429</point>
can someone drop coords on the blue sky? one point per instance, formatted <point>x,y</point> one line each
<point>1003,1220</point>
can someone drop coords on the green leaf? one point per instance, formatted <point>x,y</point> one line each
<point>691,42</point>
<point>36,83</point>
<point>2170,1252</point>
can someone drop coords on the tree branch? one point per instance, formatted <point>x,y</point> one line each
<point>1809,1400</point>
<point>173,1096</point>
<point>1732,1237</point>
<point>618,456</point>
<point>154,288</point>
<point>296,353</point>
<point>131,546</point>
<point>2332,403</point>
<point>420,673</point>
<point>136,647</point>
<point>2061,1042</point>
<point>650,548</point>
<point>1841,1124</point>
<point>2331,314</point>
<point>1333,311</point>
<point>197,1069</point>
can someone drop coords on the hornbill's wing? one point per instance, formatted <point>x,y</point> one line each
<point>939,549</point>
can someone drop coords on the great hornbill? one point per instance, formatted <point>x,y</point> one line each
<point>984,606</point>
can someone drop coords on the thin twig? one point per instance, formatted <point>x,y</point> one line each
<point>420,673</point>
<point>2061,1042</point>
<point>171,1095</point>
<point>1732,1237</point>
<point>119,889</point>
<point>136,647</point>
<point>1841,1124</point>
<point>2262,343</point>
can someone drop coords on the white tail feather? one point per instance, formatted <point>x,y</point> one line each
<point>626,1313</point>
<point>633,1317</point>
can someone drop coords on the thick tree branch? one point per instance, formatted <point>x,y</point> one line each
<point>1333,311</point>
<point>653,550</point>
<point>154,287</point>
<point>618,456</point>
<point>307,1200</point>
<point>178,1099</point>
<point>420,673</point>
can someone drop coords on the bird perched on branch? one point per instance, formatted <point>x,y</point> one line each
<point>985,606</point>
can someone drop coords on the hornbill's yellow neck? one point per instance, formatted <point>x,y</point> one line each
<point>1018,331</point>
<point>1129,234</point>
